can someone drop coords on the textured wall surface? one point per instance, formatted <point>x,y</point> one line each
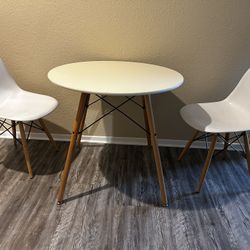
<point>207,41</point>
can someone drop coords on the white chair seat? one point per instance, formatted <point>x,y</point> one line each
<point>216,117</point>
<point>227,116</point>
<point>26,106</point>
<point>21,106</point>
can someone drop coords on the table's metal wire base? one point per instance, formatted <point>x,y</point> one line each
<point>115,108</point>
<point>78,128</point>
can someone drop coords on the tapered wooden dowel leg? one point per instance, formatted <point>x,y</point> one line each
<point>13,125</point>
<point>146,121</point>
<point>25,149</point>
<point>207,163</point>
<point>83,120</point>
<point>157,158</point>
<point>226,144</point>
<point>246,142</point>
<point>46,131</point>
<point>189,143</point>
<point>74,134</point>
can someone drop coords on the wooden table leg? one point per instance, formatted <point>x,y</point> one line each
<point>246,143</point>
<point>25,149</point>
<point>189,143</point>
<point>83,121</point>
<point>207,163</point>
<point>146,121</point>
<point>157,158</point>
<point>46,131</point>
<point>13,125</point>
<point>73,138</point>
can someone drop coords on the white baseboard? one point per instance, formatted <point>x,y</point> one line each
<point>121,140</point>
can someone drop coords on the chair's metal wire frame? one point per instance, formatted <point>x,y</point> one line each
<point>228,143</point>
<point>7,126</point>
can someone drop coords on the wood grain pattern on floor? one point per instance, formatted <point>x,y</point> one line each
<point>112,200</point>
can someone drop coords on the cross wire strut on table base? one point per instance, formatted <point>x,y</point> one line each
<point>105,78</point>
<point>100,97</point>
<point>114,108</point>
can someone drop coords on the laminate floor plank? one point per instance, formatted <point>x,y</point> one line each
<point>112,200</point>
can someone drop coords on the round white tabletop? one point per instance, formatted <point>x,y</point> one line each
<point>116,78</point>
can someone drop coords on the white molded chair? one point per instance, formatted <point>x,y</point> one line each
<point>227,116</point>
<point>20,106</point>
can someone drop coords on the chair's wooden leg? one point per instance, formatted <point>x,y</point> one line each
<point>189,143</point>
<point>25,149</point>
<point>83,120</point>
<point>146,121</point>
<point>246,142</point>
<point>227,135</point>
<point>207,163</point>
<point>153,139</point>
<point>74,134</point>
<point>13,125</point>
<point>46,131</point>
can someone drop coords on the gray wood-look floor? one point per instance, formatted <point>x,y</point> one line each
<point>112,198</point>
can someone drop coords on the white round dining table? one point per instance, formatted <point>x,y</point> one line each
<point>115,78</point>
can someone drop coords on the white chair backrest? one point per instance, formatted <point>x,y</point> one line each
<point>8,86</point>
<point>241,93</point>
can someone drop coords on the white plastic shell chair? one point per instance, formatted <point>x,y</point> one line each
<point>20,106</point>
<point>227,116</point>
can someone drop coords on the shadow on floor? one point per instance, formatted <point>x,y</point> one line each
<point>44,159</point>
<point>131,170</point>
